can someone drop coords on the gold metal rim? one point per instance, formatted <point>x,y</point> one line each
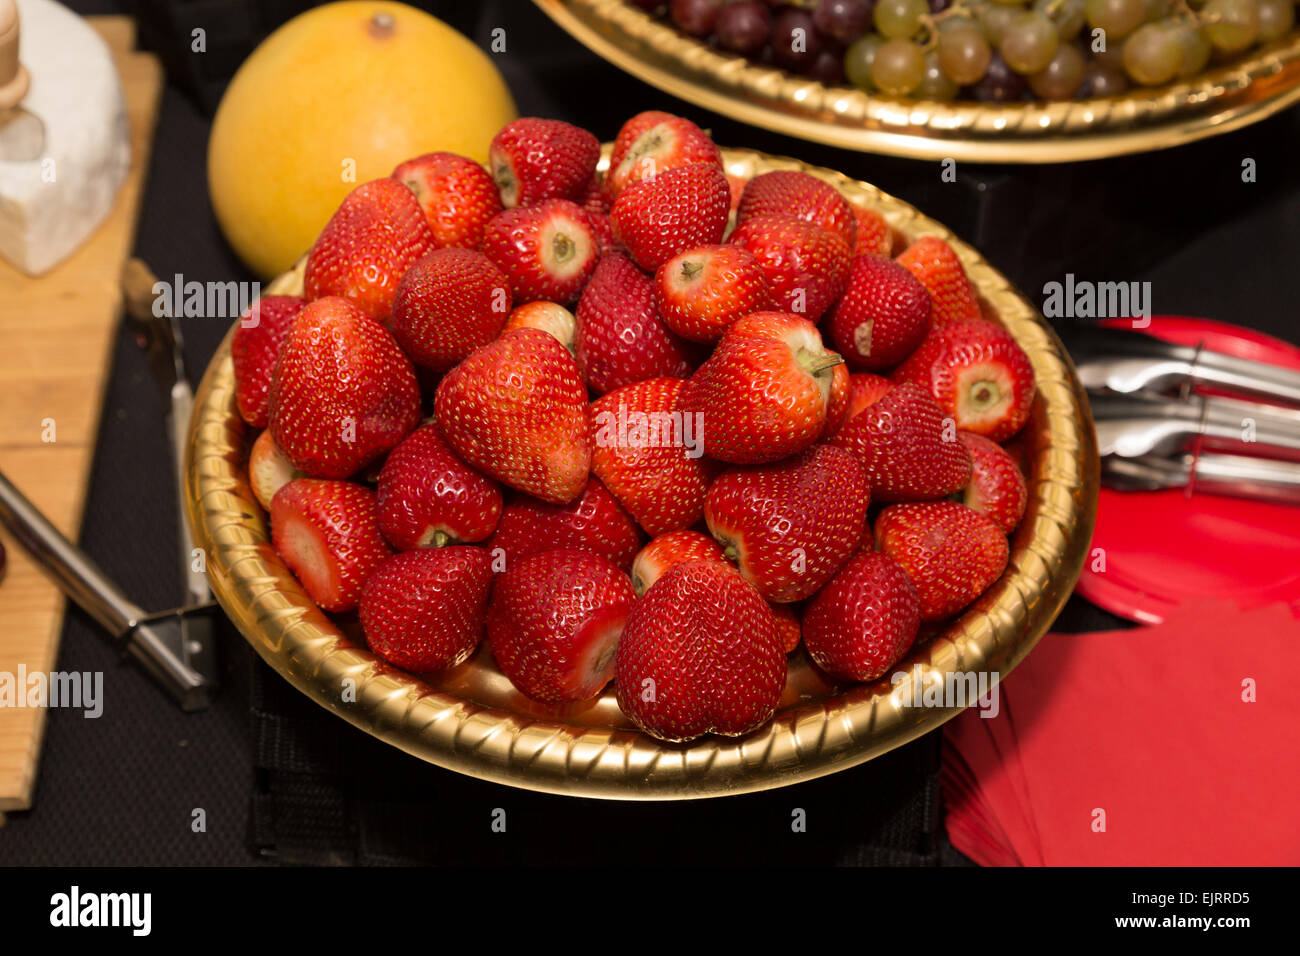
<point>440,723</point>
<point>1226,98</point>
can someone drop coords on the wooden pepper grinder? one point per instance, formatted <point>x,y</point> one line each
<point>22,135</point>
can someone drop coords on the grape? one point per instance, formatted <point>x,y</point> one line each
<point>1061,78</point>
<point>1195,49</point>
<point>795,42</point>
<point>964,54</point>
<point>695,17</point>
<point>1029,42</point>
<point>743,27</point>
<point>994,21</point>
<point>938,6</point>
<point>1009,3</point>
<point>1235,26</point>
<point>1156,9</point>
<point>1153,54</point>
<point>1101,80</point>
<point>1001,84</point>
<point>857,60</point>
<point>935,85</point>
<point>899,19</point>
<point>1066,14</point>
<point>843,20</point>
<point>828,68</point>
<point>1118,18</point>
<point>1276,18</point>
<point>899,67</point>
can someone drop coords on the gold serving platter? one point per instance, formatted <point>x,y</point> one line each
<point>471,720</point>
<point>1246,90</point>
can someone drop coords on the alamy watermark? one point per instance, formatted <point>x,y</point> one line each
<point>1081,299</point>
<point>952,689</point>
<point>633,429</point>
<point>205,300</point>
<point>72,690</point>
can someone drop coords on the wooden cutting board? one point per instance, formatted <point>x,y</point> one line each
<point>56,345</point>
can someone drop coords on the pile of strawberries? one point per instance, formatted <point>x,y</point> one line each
<point>657,426</point>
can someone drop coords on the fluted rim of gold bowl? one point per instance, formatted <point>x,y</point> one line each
<point>1248,89</point>
<point>805,740</point>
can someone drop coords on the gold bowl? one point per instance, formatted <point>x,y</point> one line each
<point>1246,90</point>
<point>470,719</point>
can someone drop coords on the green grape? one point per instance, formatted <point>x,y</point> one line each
<point>858,57</point>
<point>1066,14</point>
<point>994,22</point>
<point>899,19</point>
<point>1196,49</point>
<point>948,24</point>
<point>899,67</point>
<point>1118,18</point>
<point>1153,54</point>
<point>1009,3</point>
<point>1276,18</point>
<point>1156,9</point>
<point>935,85</point>
<point>964,55</point>
<point>1062,77</point>
<point>1101,80</point>
<point>1029,42</point>
<point>1232,25</point>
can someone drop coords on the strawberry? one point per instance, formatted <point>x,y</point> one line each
<point>448,304</point>
<point>701,291</point>
<point>424,610</point>
<point>909,450</point>
<point>837,403</point>
<point>596,206</point>
<point>327,534</point>
<point>951,553</point>
<point>594,521</point>
<point>547,316</point>
<point>978,375</point>
<point>863,622</point>
<point>668,550</point>
<point>364,250</point>
<point>456,195</point>
<point>670,143</point>
<point>864,389</point>
<point>882,316</point>
<point>269,470</point>
<point>806,266</point>
<point>342,392</point>
<point>648,452</point>
<point>997,488</point>
<point>800,196</point>
<point>548,250</point>
<point>632,130</point>
<point>936,265</point>
<point>677,210</point>
<point>874,234</point>
<point>765,392</point>
<point>555,621</point>
<point>253,349</point>
<point>618,336</point>
<point>791,524</point>
<point>427,496</point>
<point>517,411</point>
<point>787,626</point>
<point>537,159</point>
<point>700,654</point>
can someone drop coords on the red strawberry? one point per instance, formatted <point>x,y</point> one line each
<point>790,525</point>
<point>978,375</point>
<point>632,131</point>
<point>555,622</point>
<point>677,210</point>
<point>909,450</point>
<point>765,392</point>
<point>268,469</point>
<point>456,194</point>
<point>703,290</point>
<point>864,389</point>
<point>648,452</point>
<point>517,410</point>
<point>837,406</point>
<point>700,654</point>
<point>937,267</point>
<point>364,250</point>
<point>428,496</point>
<point>327,534</point>
<point>997,489</point>
<point>863,622</point>
<point>800,196</point>
<point>806,266</point>
<point>448,304</point>
<point>671,143</point>
<point>594,521</point>
<point>618,337</point>
<point>882,316</point>
<point>951,553</point>
<point>547,316</point>
<point>537,159</point>
<point>342,392</point>
<point>547,250</point>
<point>668,550</point>
<point>424,610</point>
<point>253,349</point>
<point>787,625</point>
<point>874,234</point>
<point>596,205</point>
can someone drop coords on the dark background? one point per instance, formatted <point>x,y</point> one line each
<point>279,779</point>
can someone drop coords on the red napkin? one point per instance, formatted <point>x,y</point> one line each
<point>1137,748</point>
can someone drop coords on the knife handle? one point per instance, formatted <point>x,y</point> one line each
<point>14,80</point>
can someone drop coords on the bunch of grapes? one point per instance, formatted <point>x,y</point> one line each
<point>991,50</point>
